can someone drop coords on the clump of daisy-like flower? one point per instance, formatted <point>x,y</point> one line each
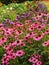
<point>26,40</point>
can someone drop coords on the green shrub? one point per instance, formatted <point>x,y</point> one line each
<point>11,10</point>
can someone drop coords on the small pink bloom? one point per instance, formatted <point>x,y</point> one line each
<point>6,47</point>
<point>13,55</point>
<point>22,44</point>
<point>33,60</point>
<point>39,63</point>
<point>19,53</point>
<point>45,44</point>
<point>38,38</point>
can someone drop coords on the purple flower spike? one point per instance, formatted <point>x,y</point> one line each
<point>11,23</point>
<point>40,5</point>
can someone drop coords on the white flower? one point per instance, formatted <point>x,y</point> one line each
<point>11,8</point>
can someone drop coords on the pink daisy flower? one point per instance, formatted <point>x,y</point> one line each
<point>39,63</point>
<point>19,53</point>
<point>38,38</point>
<point>33,60</point>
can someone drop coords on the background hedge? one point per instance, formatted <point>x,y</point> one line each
<point>18,1</point>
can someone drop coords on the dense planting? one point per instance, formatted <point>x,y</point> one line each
<point>25,41</point>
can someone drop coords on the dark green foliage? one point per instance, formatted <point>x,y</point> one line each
<point>10,1</point>
<point>6,1</point>
<point>2,51</point>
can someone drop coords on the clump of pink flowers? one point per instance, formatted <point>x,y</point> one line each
<point>46,43</point>
<point>26,40</point>
<point>35,59</point>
